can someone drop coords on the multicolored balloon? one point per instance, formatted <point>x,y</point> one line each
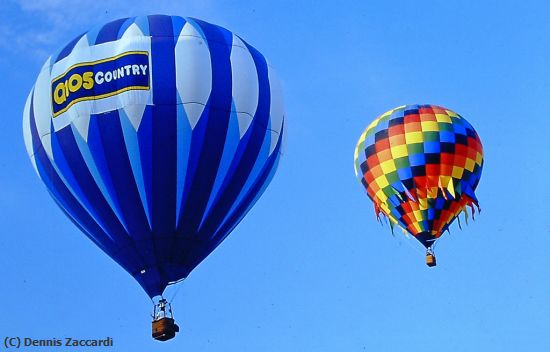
<point>155,135</point>
<point>420,165</point>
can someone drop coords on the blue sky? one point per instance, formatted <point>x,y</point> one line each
<point>310,269</point>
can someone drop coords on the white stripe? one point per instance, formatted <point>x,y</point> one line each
<point>82,44</point>
<point>82,124</point>
<point>135,114</point>
<point>134,102</point>
<point>245,84</point>
<point>193,72</point>
<point>132,31</point>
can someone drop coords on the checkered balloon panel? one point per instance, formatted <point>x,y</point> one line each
<point>420,165</point>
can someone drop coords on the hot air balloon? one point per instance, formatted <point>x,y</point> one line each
<point>156,135</point>
<point>420,165</point>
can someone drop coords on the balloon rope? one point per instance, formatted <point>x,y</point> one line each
<point>435,242</point>
<point>175,293</point>
<point>408,240</point>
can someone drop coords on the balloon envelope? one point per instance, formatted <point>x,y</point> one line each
<point>155,135</point>
<point>420,165</point>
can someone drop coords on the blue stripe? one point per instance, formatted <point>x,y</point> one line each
<point>177,26</point>
<point>92,34</point>
<point>68,48</point>
<point>231,144</point>
<point>196,26</point>
<point>144,134</point>
<point>164,137</point>
<point>132,146</point>
<point>213,33</point>
<point>185,134</point>
<point>194,156</point>
<point>143,24</point>
<point>125,26</point>
<point>109,32</point>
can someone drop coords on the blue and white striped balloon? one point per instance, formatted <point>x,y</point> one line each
<point>155,135</point>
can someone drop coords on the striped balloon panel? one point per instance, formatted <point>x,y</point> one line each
<point>157,165</point>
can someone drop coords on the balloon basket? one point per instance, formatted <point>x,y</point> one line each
<point>430,260</point>
<point>164,326</point>
<point>164,329</point>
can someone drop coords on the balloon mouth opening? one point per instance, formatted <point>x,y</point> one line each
<point>426,238</point>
